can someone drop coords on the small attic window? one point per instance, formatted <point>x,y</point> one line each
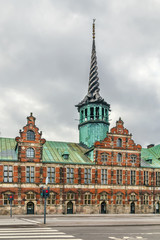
<point>65,155</point>
<point>149,161</point>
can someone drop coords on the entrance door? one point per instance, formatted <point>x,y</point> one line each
<point>132,207</point>
<point>103,207</point>
<point>157,207</point>
<point>30,208</point>
<point>70,208</point>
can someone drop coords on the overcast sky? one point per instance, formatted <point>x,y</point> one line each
<point>45,50</point>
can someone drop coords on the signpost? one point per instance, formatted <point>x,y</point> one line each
<point>10,199</point>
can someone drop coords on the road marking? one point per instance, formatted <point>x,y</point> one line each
<point>129,238</point>
<point>34,233</point>
<point>12,229</point>
<point>28,236</point>
<point>26,230</point>
<point>32,221</point>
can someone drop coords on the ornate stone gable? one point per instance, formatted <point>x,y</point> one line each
<point>30,143</point>
<point>118,148</point>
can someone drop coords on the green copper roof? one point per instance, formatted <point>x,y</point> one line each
<point>151,157</point>
<point>7,149</point>
<point>52,152</point>
<point>55,151</point>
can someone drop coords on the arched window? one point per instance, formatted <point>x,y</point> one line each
<point>30,196</point>
<point>30,153</point>
<point>30,135</point>
<point>103,196</point>
<point>119,157</point>
<point>132,197</point>
<point>87,198</point>
<point>119,142</point>
<point>70,196</point>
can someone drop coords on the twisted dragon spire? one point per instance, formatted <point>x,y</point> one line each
<point>93,86</point>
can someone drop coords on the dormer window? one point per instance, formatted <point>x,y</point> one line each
<point>30,153</point>
<point>119,142</point>
<point>65,155</point>
<point>30,135</point>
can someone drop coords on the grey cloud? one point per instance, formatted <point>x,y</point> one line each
<point>45,51</point>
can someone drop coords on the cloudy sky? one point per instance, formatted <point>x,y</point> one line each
<point>45,49</point>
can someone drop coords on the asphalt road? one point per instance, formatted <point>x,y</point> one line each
<point>114,233</point>
<point>84,227</point>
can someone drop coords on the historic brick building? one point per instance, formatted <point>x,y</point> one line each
<point>106,172</point>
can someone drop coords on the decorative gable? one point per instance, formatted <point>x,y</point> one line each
<point>118,148</point>
<point>30,142</point>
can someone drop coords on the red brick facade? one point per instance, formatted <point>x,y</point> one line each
<point>113,183</point>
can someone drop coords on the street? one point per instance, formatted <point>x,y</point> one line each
<point>82,227</point>
<point>115,232</point>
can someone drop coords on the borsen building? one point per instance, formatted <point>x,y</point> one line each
<point>106,172</point>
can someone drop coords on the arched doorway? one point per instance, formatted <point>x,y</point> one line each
<point>69,207</point>
<point>132,207</point>
<point>30,208</point>
<point>103,207</point>
<point>157,207</point>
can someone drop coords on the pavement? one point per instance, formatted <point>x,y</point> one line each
<point>80,220</point>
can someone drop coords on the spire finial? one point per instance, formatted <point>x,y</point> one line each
<point>94,28</point>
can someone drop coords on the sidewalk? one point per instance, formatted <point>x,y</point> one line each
<point>80,220</point>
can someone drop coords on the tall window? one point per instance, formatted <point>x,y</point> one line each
<point>119,176</point>
<point>51,200</point>
<point>145,199</point>
<point>119,157</point>
<point>30,135</point>
<point>133,177</point>
<point>103,176</point>
<point>119,142</point>
<point>87,175</point>
<point>145,177</point>
<point>8,173</point>
<point>157,178</point>
<point>87,198</point>
<point>30,174</point>
<point>51,174</point>
<point>119,198</point>
<point>70,175</point>
<point>30,153</point>
<point>104,157</point>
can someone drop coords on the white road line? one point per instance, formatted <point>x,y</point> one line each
<point>32,221</point>
<point>27,228</point>
<point>34,233</point>
<point>16,231</point>
<point>33,237</point>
